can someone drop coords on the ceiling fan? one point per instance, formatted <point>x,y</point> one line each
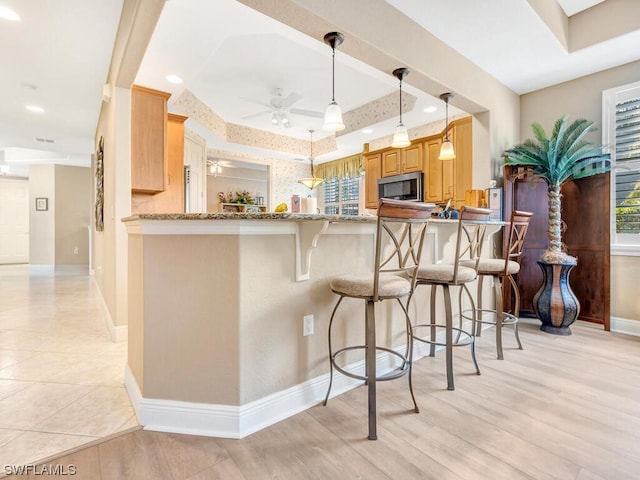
<point>279,107</point>
<point>215,166</point>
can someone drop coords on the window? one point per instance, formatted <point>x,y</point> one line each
<point>621,133</point>
<point>341,196</point>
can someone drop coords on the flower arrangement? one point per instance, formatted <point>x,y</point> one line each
<point>241,196</point>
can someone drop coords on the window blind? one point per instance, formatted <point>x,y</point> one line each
<point>627,165</point>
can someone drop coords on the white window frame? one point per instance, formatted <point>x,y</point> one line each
<point>340,202</point>
<point>621,244</point>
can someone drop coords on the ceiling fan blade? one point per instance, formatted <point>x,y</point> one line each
<point>290,99</point>
<point>253,115</point>
<point>306,113</point>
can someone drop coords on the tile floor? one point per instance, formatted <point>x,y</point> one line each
<point>61,376</point>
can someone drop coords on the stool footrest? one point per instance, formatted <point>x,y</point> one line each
<point>466,338</point>
<point>395,373</point>
<point>507,318</point>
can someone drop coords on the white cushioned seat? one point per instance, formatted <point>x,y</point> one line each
<point>443,273</point>
<point>491,266</point>
<point>361,285</point>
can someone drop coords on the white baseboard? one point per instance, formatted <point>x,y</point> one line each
<point>82,270</point>
<point>230,421</point>
<point>624,325</point>
<point>118,333</point>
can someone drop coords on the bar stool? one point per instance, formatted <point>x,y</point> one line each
<point>400,232</point>
<point>471,230</point>
<point>499,269</point>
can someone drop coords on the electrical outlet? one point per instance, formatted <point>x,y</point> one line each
<point>307,325</point>
<point>75,251</point>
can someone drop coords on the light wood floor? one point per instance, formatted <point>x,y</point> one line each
<point>563,408</point>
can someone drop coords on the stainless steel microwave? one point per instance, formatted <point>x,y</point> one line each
<point>402,187</point>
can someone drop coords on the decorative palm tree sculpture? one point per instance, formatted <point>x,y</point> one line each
<point>566,155</point>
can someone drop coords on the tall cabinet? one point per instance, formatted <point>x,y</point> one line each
<point>585,211</point>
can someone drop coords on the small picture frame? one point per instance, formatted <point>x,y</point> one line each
<point>42,204</point>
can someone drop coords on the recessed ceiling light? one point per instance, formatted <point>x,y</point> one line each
<point>367,130</point>
<point>8,14</point>
<point>430,109</point>
<point>173,79</point>
<point>35,108</point>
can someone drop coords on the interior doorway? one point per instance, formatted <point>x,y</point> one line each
<point>14,220</point>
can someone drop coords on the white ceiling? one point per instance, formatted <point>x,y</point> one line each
<point>234,65</point>
<point>62,49</point>
<point>508,39</point>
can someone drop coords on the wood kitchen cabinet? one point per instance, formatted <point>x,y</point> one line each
<point>450,179</point>
<point>373,171</point>
<point>148,140</point>
<point>463,163</point>
<point>438,178</point>
<point>171,200</point>
<point>402,160</point>
<point>443,179</point>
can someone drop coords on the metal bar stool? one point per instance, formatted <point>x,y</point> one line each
<point>499,269</point>
<point>400,232</point>
<point>471,230</point>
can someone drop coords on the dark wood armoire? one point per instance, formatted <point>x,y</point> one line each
<point>585,212</point>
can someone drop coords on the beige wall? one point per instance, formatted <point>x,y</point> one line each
<point>42,226</point>
<point>583,98</point>
<point>234,179</point>
<point>58,231</point>
<point>72,215</point>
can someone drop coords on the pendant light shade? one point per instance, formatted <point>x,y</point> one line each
<point>446,149</point>
<point>401,135</point>
<point>333,115</point>
<point>313,181</point>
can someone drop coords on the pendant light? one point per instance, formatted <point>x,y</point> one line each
<point>333,115</point>
<point>400,136</point>
<point>313,181</point>
<point>446,149</point>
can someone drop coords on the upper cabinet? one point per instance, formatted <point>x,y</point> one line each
<point>172,199</point>
<point>372,172</point>
<point>463,164</point>
<point>443,179</point>
<point>402,160</point>
<point>148,140</point>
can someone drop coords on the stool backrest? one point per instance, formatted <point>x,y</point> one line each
<point>400,232</point>
<point>518,227</point>
<point>472,228</point>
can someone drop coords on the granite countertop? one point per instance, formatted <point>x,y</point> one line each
<point>250,216</point>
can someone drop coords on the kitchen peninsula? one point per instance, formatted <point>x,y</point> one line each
<point>216,307</point>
